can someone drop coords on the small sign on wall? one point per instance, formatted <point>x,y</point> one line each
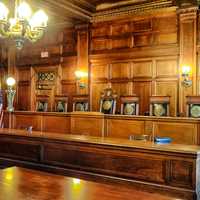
<point>44,54</point>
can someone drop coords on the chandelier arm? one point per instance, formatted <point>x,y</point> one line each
<point>34,35</point>
<point>3,32</point>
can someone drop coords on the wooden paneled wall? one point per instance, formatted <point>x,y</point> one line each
<point>138,31</point>
<point>143,77</point>
<point>62,59</point>
<point>141,54</point>
<point>137,56</point>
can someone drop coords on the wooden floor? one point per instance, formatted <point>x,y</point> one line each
<point>23,184</point>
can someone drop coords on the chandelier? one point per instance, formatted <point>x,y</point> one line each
<point>22,25</point>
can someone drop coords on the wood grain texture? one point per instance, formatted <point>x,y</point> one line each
<point>181,130</point>
<point>24,182</point>
<point>148,163</point>
<point>124,128</point>
<point>144,46</point>
<point>53,124</point>
<point>87,124</point>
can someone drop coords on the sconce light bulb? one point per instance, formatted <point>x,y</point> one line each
<point>10,81</point>
<point>186,70</point>
<point>80,74</point>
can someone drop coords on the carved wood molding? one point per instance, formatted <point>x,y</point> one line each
<point>166,50</point>
<point>189,13</point>
<point>131,10</point>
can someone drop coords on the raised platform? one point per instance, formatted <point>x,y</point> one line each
<point>169,169</point>
<point>181,130</point>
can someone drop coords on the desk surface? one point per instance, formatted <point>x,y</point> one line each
<point>23,184</point>
<point>124,143</point>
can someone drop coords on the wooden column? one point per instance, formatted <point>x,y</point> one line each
<point>188,34</point>
<point>83,52</point>
<point>12,71</point>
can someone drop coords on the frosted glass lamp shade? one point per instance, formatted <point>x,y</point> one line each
<point>10,81</point>
<point>39,19</point>
<point>3,12</point>
<point>24,11</point>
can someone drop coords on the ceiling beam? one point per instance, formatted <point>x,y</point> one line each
<point>84,4</point>
<point>70,9</point>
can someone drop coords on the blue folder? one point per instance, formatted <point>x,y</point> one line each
<point>162,140</point>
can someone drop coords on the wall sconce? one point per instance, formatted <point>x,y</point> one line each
<point>10,93</point>
<point>80,76</point>
<point>186,82</point>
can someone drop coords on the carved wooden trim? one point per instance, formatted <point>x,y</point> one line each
<point>131,10</point>
<point>188,50</point>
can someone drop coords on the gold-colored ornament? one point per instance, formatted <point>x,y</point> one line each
<point>107,105</point>
<point>129,109</point>
<point>159,110</point>
<point>195,111</point>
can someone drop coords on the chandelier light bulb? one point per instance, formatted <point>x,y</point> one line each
<point>80,74</point>
<point>12,22</point>
<point>10,81</point>
<point>3,12</point>
<point>39,19</point>
<point>24,11</point>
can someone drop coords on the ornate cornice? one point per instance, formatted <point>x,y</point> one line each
<point>187,10</point>
<point>131,10</point>
<point>189,13</point>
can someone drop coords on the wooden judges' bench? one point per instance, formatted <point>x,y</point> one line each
<point>181,130</point>
<point>170,169</point>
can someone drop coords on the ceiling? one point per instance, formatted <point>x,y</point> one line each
<point>70,12</point>
<point>76,11</point>
<point>109,4</point>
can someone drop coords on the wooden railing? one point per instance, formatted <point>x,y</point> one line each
<point>181,130</point>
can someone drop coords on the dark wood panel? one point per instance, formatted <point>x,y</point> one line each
<point>100,72</point>
<point>139,162</point>
<point>56,124</point>
<point>69,66</point>
<point>100,162</point>
<point>19,150</point>
<point>120,128</point>
<point>120,70</point>
<point>181,130</point>
<point>87,124</point>
<point>69,88</point>
<point>25,121</point>
<point>144,91</point>
<point>183,176</point>
<point>24,99</point>
<point>181,133</point>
